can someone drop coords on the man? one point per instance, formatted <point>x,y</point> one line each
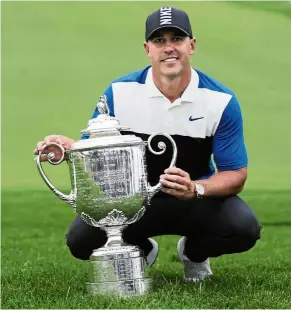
<point>204,119</point>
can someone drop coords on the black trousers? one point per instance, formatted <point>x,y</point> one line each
<point>213,227</point>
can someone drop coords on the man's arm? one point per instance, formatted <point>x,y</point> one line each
<point>177,182</point>
<point>229,154</point>
<point>230,157</point>
<point>225,183</point>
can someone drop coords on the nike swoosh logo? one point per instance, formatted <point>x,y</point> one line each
<point>195,119</point>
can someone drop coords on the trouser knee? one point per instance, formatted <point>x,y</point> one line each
<point>237,235</point>
<point>244,238</point>
<point>77,248</point>
<point>79,252</point>
<point>81,243</point>
<point>240,230</point>
<point>198,249</point>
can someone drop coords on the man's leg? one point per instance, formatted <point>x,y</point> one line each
<point>226,225</point>
<point>82,238</point>
<point>204,222</point>
<point>162,217</point>
<point>222,226</point>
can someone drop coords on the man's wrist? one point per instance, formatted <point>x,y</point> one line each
<point>199,190</point>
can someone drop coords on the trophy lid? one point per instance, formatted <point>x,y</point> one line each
<point>104,124</point>
<point>106,142</point>
<point>104,131</point>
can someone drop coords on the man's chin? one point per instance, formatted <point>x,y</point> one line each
<point>171,74</point>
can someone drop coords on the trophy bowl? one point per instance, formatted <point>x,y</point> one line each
<point>110,190</point>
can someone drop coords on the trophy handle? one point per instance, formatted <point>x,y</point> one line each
<point>70,199</point>
<point>152,190</point>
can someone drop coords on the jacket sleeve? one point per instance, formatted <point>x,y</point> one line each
<point>229,149</point>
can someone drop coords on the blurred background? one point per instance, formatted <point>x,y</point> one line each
<point>57,58</point>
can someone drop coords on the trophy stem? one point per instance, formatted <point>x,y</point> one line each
<point>114,235</point>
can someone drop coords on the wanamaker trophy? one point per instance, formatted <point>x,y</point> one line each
<point>110,190</point>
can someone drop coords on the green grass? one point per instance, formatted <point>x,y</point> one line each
<point>57,58</point>
<point>39,272</point>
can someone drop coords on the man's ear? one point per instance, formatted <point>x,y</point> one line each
<point>146,48</point>
<point>192,46</point>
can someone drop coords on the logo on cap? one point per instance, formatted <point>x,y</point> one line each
<point>165,15</point>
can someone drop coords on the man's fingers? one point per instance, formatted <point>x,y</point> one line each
<point>43,157</point>
<point>67,145</point>
<point>36,151</point>
<point>172,192</point>
<point>40,145</point>
<point>177,171</point>
<point>52,138</point>
<point>176,179</point>
<point>172,185</point>
<point>177,182</point>
<point>167,190</point>
<point>59,141</point>
<point>63,141</point>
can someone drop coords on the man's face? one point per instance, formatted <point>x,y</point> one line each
<point>169,51</point>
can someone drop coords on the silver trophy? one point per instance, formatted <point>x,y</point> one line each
<point>110,190</point>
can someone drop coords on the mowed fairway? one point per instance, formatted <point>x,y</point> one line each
<point>57,57</point>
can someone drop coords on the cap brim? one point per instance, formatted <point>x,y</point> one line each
<point>168,26</point>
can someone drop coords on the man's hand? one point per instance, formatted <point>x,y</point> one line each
<point>177,182</point>
<point>65,142</point>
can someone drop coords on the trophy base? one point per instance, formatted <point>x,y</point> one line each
<point>119,270</point>
<point>125,288</point>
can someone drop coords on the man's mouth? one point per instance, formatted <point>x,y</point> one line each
<point>170,59</point>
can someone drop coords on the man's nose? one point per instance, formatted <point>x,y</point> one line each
<point>168,48</point>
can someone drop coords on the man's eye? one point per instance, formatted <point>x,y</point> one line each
<point>177,39</point>
<point>158,40</point>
